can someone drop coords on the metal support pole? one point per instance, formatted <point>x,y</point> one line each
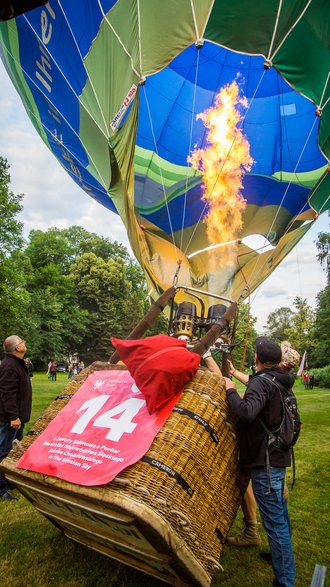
<point>155,309</point>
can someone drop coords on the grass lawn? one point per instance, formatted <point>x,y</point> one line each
<point>34,553</point>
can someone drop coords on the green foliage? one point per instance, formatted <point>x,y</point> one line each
<point>81,241</point>
<point>321,352</point>
<point>67,291</point>
<point>107,295</point>
<point>67,304</point>
<point>11,237</point>
<point>278,323</point>
<point>48,251</point>
<point>14,298</point>
<point>323,246</point>
<point>322,377</point>
<point>300,331</point>
<point>245,337</point>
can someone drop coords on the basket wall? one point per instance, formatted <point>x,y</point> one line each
<point>168,514</point>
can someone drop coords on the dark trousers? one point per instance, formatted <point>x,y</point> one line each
<point>7,435</point>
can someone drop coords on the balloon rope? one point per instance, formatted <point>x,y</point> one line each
<point>194,17</point>
<point>51,57</point>
<point>287,230</point>
<point>326,201</point>
<point>290,30</point>
<point>89,78</point>
<point>160,171</point>
<point>140,36</point>
<point>118,38</point>
<point>324,89</point>
<point>256,272</point>
<point>190,143</point>
<point>223,164</point>
<point>274,30</point>
<point>246,339</point>
<point>299,273</point>
<point>317,212</point>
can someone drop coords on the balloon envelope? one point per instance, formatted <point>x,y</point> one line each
<point>114,89</point>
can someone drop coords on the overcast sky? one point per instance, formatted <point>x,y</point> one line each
<point>53,199</point>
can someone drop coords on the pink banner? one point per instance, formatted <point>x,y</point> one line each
<point>103,429</point>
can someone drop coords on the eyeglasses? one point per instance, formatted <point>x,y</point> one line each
<point>20,342</point>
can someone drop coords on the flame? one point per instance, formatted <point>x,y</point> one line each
<point>223,163</point>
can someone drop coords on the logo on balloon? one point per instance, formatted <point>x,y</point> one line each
<point>123,108</point>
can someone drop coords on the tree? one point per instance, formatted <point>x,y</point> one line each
<point>300,331</point>
<point>320,356</point>
<point>11,236</point>
<point>65,315</point>
<point>323,246</point>
<point>58,323</point>
<point>81,241</point>
<point>113,307</point>
<point>14,298</point>
<point>49,251</point>
<point>278,322</point>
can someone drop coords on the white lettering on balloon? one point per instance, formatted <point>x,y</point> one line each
<point>44,66</point>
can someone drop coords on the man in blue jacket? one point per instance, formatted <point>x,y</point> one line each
<point>262,401</point>
<point>15,401</point>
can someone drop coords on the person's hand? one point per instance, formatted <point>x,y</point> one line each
<point>227,364</point>
<point>229,383</point>
<point>231,367</point>
<point>15,423</point>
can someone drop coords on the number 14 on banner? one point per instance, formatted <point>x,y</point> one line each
<point>117,426</point>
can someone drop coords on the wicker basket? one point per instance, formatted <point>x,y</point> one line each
<point>167,515</point>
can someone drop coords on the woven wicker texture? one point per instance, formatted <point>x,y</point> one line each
<point>190,479</point>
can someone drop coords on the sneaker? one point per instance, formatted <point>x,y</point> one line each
<point>9,496</point>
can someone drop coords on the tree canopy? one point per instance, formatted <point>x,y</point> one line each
<point>323,256</point>
<point>320,356</point>
<point>278,322</point>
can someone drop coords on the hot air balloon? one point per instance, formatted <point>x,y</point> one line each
<point>120,91</point>
<point>205,126</point>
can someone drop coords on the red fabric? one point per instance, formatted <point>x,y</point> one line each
<point>104,428</point>
<point>160,366</point>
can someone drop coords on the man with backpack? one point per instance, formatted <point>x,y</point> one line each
<point>262,455</point>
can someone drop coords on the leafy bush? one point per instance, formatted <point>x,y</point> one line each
<point>322,376</point>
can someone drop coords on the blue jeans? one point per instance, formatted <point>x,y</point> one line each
<point>7,435</point>
<point>275,519</point>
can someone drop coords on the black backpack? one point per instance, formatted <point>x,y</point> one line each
<point>286,434</point>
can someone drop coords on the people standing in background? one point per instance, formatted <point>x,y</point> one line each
<point>81,366</point>
<point>53,370</point>
<point>306,379</point>
<point>70,370</point>
<point>29,365</point>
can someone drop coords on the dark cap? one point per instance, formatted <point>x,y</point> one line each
<point>268,351</point>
